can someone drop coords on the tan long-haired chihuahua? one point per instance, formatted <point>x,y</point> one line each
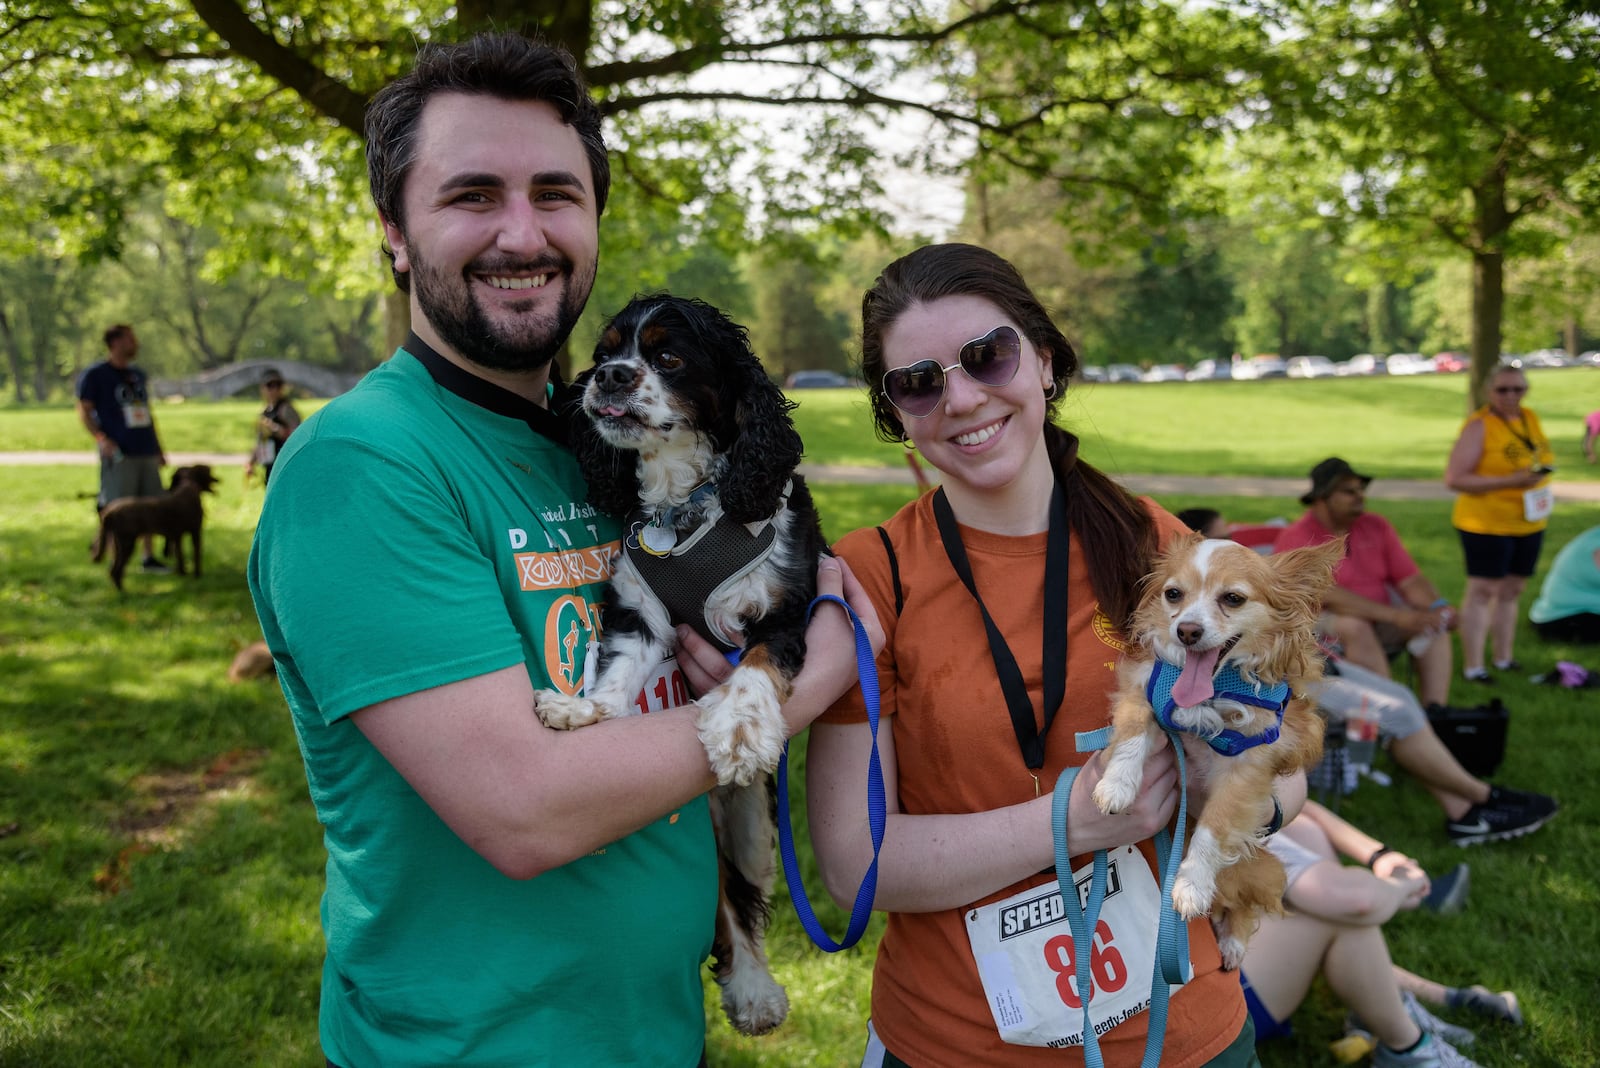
<point>1225,650</point>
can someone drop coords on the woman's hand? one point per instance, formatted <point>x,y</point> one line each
<point>1089,829</point>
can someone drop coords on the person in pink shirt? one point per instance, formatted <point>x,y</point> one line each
<point>1591,433</point>
<point>1381,602</point>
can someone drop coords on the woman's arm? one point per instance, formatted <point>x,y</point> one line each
<point>935,862</point>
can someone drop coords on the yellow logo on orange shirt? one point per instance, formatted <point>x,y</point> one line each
<point>1108,633</point>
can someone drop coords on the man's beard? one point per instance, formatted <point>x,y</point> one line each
<point>527,343</point>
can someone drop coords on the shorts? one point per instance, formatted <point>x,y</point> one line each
<point>131,476</point>
<point>1266,1027</point>
<point>1494,556</point>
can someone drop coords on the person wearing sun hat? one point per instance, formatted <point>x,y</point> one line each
<point>1381,602</point>
<point>277,421</point>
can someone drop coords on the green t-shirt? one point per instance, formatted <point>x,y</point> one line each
<point>411,539</point>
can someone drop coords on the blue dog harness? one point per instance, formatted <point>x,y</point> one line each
<point>1232,685</point>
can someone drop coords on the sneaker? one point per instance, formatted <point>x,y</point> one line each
<point>1485,1002</point>
<point>1538,804</point>
<point>1480,675</point>
<point>1508,665</point>
<point>1448,892</point>
<point>152,566</point>
<point>1431,1052</point>
<point>1456,1036</point>
<point>1430,1024</point>
<point>1491,822</point>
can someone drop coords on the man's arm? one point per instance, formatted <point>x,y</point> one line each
<point>1342,602</point>
<point>528,798</point>
<point>91,423</point>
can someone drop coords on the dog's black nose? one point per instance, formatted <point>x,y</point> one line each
<point>1189,633</point>
<point>615,376</point>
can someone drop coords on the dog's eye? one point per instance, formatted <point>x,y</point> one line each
<point>668,362</point>
<point>1173,594</point>
<point>1233,600</point>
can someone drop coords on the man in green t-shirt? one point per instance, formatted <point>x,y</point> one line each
<point>497,892</point>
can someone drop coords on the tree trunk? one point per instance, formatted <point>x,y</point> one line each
<point>1490,222</point>
<point>1488,301</point>
<point>13,357</point>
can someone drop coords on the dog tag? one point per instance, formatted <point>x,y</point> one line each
<point>657,540</point>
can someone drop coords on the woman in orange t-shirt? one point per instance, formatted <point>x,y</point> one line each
<point>975,966</point>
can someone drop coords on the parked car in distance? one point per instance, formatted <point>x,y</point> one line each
<point>1364,363</point>
<point>1409,363</point>
<point>1207,370</point>
<point>1124,372</point>
<point>1164,372</point>
<point>817,380</point>
<point>1547,358</point>
<point>1590,358</point>
<point>1091,372</point>
<point>1263,366</point>
<point>1311,367</point>
<point>1451,362</point>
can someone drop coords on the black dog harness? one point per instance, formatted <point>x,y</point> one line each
<point>688,572</point>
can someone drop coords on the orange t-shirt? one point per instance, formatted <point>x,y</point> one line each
<point>957,752</point>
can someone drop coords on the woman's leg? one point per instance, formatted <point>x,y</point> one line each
<point>1359,971</point>
<point>1503,622</point>
<point>1476,604</point>
<point>1284,957</point>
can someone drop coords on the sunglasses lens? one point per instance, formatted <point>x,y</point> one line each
<point>993,358</point>
<point>916,389</point>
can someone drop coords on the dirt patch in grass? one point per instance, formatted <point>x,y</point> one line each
<point>168,804</point>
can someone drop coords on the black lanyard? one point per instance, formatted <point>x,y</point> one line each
<point>1029,738</point>
<point>1527,442</point>
<point>554,422</point>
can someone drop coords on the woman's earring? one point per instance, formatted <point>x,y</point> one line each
<point>1050,393</point>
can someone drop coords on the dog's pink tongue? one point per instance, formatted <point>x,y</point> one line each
<point>1194,681</point>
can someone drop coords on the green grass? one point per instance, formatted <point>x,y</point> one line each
<point>118,731</point>
<point>1392,427</point>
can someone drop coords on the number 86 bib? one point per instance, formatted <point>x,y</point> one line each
<point>1028,962</point>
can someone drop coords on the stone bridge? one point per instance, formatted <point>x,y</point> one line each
<point>220,383</point>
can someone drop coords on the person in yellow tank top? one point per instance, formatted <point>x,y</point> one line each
<point>1500,469</point>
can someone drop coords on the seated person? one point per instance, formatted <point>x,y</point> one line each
<point>1568,606</point>
<point>1335,926</point>
<point>1475,811</point>
<point>1380,600</point>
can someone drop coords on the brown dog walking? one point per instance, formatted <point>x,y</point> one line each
<point>171,515</point>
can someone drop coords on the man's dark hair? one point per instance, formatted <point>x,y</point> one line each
<point>116,333</point>
<point>504,65</point>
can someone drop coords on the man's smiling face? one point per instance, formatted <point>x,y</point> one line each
<point>501,230</point>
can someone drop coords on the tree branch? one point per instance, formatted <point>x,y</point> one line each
<point>324,93</point>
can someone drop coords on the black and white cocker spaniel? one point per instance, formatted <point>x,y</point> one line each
<point>686,436</point>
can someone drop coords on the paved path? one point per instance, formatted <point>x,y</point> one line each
<point>1155,485</point>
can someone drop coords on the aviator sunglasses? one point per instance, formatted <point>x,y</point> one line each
<point>990,360</point>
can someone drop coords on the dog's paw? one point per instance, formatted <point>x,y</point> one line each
<point>1193,890</point>
<point>1232,949</point>
<point>1115,794</point>
<point>741,725</point>
<point>754,1002</point>
<point>561,712</point>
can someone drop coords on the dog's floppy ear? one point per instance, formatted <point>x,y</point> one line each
<point>612,474</point>
<point>766,448</point>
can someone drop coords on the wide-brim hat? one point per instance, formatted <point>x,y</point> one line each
<point>1328,474</point>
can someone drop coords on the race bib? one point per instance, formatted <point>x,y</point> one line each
<point>665,688</point>
<point>136,415</point>
<point>1538,503</point>
<point>1028,961</point>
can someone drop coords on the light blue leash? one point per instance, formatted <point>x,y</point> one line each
<point>1172,940</point>
<point>867,668</point>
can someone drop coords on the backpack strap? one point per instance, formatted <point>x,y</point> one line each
<point>894,571</point>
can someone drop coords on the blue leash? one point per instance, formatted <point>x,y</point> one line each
<point>867,668</point>
<point>1172,942</point>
